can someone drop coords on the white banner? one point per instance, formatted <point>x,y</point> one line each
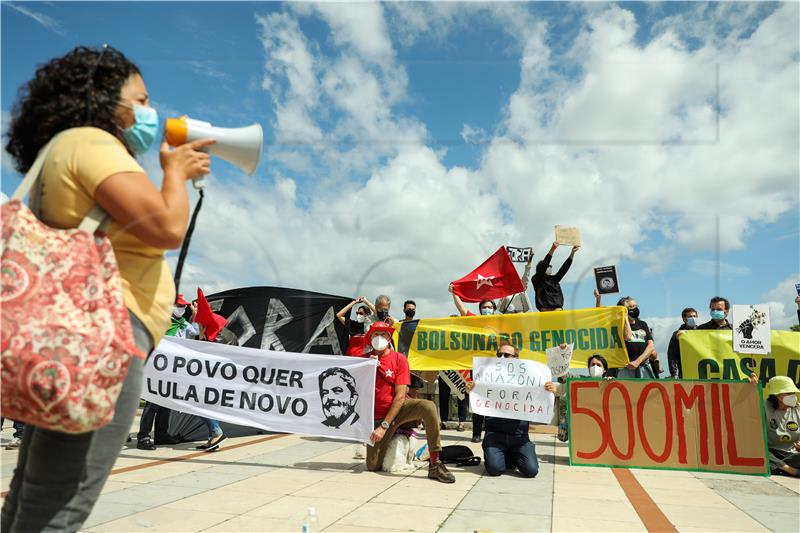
<point>511,388</point>
<point>751,330</point>
<point>322,395</point>
<point>457,382</point>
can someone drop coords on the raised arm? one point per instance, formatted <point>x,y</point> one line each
<point>346,309</point>
<point>598,298</point>
<point>457,301</point>
<point>568,263</point>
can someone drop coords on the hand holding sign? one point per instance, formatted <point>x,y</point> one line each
<point>511,388</point>
<point>520,255</point>
<point>568,236</point>
<point>559,358</point>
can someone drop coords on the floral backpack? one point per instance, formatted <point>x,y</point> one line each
<point>66,337</point>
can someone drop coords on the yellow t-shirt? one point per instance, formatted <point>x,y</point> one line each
<point>77,164</point>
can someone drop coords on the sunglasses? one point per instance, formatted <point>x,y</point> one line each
<point>504,354</point>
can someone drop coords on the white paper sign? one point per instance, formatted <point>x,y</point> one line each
<point>456,381</point>
<point>751,331</point>
<point>322,395</point>
<point>511,388</point>
<point>558,359</point>
<point>568,236</point>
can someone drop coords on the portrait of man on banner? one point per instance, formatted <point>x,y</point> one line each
<point>339,395</point>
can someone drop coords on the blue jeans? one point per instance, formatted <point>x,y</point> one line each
<point>59,476</point>
<point>502,451</point>
<point>213,428</point>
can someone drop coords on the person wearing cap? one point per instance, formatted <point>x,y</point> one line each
<point>783,425</point>
<point>180,327</point>
<point>393,408</point>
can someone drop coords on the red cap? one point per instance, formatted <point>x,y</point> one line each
<point>378,326</point>
<point>180,301</point>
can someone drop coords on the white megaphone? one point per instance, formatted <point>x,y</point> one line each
<point>240,146</point>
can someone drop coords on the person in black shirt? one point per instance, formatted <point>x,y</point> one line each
<point>357,327</point>
<point>719,308</point>
<point>546,285</point>
<point>639,344</point>
<point>506,443</point>
<point>689,316</point>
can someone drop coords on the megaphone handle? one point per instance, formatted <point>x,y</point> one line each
<point>200,183</point>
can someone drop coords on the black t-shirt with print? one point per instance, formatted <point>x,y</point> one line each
<point>641,334</point>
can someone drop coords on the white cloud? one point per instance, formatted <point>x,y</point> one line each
<point>782,309</point>
<point>48,22</point>
<point>389,216</point>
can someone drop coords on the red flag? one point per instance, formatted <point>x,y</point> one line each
<point>495,278</point>
<point>207,318</point>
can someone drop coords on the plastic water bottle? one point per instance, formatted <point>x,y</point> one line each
<point>422,454</point>
<point>311,521</point>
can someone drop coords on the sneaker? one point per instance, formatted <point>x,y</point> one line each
<point>214,442</point>
<point>476,438</point>
<point>13,444</point>
<point>460,426</point>
<point>146,444</point>
<point>440,473</point>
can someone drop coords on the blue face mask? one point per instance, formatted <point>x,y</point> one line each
<point>141,135</point>
<point>487,311</point>
<point>717,315</point>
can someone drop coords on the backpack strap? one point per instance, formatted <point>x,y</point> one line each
<point>95,219</point>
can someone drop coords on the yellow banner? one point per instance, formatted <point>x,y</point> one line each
<point>710,355</point>
<point>451,343</point>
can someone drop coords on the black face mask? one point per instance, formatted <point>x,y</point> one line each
<point>410,313</point>
<point>633,313</point>
<point>382,315</point>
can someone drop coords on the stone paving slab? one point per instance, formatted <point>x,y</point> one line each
<point>268,484</point>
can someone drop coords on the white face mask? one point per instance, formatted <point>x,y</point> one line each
<point>596,371</point>
<point>790,401</point>
<point>379,342</point>
<point>360,318</point>
<point>178,311</point>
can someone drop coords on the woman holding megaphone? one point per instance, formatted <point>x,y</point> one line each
<point>94,105</point>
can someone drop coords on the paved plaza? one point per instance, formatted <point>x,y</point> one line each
<point>267,483</point>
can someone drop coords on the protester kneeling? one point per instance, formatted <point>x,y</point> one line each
<point>393,409</point>
<point>506,444</point>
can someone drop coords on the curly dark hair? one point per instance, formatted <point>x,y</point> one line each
<point>81,88</point>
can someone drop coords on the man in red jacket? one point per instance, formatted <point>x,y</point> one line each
<point>393,409</point>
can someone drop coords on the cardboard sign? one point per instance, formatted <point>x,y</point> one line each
<point>558,359</point>
<point>457,382</point>
<point>710,355</point>
<point>680,425</point>
<point>751,331</point>
<point>511,388</point>
<point>519,255</point>
<point>568,236</point>
<point>606,279</point>
<point>277,391</point>
<point>450,343</point>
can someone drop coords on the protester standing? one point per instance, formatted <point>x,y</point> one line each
<point>546,285</point>
<point>382,305</point>
<point>358,327</point>
<point>640,344</point>
<point>98,101</point>
<point>689,317</point>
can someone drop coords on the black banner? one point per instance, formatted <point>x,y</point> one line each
<point>290,320</point>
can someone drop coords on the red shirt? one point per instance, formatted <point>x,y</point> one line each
<point>392,370</point>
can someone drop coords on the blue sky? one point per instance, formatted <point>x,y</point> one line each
<point>431,133</point>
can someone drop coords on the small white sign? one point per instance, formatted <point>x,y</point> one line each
<point>511,388</point>
<point>751,330</point>
<point>558,359</point>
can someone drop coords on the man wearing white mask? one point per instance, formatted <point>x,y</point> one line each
<point>393,408</point>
